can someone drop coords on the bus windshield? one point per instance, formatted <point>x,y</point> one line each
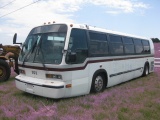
<point>44,45</point>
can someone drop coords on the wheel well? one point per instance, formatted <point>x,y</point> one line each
<point>102,72</point>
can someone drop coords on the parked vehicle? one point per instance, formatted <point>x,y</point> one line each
<point>8,59</point>
<point>65,60</point>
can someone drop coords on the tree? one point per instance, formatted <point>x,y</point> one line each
<point>155,40</point>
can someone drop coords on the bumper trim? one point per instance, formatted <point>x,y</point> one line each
<point>47,86</point>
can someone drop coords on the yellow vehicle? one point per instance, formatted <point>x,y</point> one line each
<point>8,59</point>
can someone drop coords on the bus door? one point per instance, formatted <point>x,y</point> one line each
<point>77,58</point>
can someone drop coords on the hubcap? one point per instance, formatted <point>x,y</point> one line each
<point>98,83</point>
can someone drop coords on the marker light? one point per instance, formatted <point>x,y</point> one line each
<point>68,85</point>
<point>54,22</point>
<point>49,22</point>
<point>71,25</point>
<point>44,23</point>
<point>22,71</point>
<point>87,26</point>
<point>49,76</point>
<point>54,76</point>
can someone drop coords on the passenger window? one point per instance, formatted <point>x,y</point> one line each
<point>138,46</point>
<point>137,42</point>
<point>146,46</point>
<point>145,43</point>
<point>116,46</point>
<point>98,48</point>
<point>116,49</point>
<point>97,36</point>
<point>129,49</point>
<point>115,39</point>
<point>98,44</point>
<point>128,45</point>
<point>127,40</point>
<point>78,45</point>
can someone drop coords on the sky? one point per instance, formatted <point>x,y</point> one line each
<point>137,17</point>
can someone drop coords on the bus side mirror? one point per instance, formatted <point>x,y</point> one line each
<point>15,38</point>
<point>72,57</point>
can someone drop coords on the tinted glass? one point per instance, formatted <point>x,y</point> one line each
<point>139,49</point>
<point>97,36</point>
<point>115,39</point>
<point>98,48</point>
<point>49,28</point>
<point>116,48</point>
<point>129,49</point>
<point>146,46</point>
<point>45,47</point>
<point>78,45</point>
<point>137,42</point>
<point>146,49</point>
<point>127,40</point>
<point>145,43</point>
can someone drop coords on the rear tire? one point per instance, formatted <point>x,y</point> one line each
<point>4,71</point>
<point>146,70</point>
<point>98,83</point>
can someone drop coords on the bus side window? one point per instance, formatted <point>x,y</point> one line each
<point>98,44</point>
<point>128,45</point>
<point>116,46</point>
<point>138,46</point>
<point>78,45</point>
<point>146,47</point>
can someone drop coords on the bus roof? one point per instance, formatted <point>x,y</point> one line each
<point>94,28</point>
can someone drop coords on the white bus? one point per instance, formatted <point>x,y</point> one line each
<point>63,60</point>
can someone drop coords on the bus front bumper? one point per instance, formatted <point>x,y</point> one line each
<point>50,90</point>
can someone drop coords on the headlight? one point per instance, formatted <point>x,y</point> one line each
<point>22,71</point>
<point>1,51</point>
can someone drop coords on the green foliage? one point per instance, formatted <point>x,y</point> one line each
<point>100,116</point>
<point>6,118</point>
<point>122,116</point>
<point>86,106</point>
<point>155,40</point>
<point>124,110</point>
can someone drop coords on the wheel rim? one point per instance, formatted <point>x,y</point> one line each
<point>2,72</point>
<point>98,83</point>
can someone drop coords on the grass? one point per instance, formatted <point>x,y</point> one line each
<point>136,99</point>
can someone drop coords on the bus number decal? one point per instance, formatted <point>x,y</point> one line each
<point>34,72</point>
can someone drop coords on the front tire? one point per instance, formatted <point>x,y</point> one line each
<point>4,71</point>
<point>98,83</point>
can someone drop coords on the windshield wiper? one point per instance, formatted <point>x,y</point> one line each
<point>29,52</point>
<point>39,48</point>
